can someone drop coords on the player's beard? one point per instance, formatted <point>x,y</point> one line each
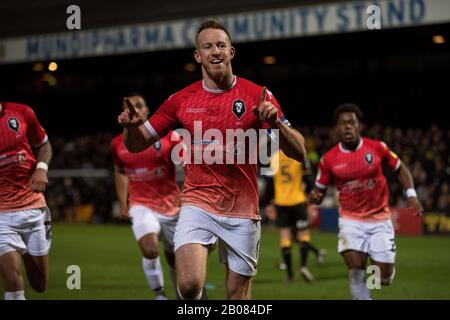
<point>218,75</point>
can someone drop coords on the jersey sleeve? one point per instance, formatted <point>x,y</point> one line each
<point>116,159</point>
<point>323,178</point>
<point>35,132</point>
<point>271,98</point>
<point>388,157</point>
<point>164,119</point>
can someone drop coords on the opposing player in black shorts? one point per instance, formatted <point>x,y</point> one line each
<point>291,214</point>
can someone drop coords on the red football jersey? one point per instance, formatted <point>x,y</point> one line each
<point>151,174</point>
<point>19,131</point>
<point>225,189</point>
<point>358,176</point>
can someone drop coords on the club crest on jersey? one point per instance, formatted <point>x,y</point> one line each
<point>238,108</point>
<point>157,145</point>
<point>13,124</point>
<point>368,157</point>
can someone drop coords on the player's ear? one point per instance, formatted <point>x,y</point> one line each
<point>359,126</point>
<point>232,52</point>
<point>197,56</point>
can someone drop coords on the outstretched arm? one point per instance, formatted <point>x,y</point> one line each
<point>135,136</point>
<point>39,179</point>
<point>291,141</point>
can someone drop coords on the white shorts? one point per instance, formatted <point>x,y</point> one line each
<point>26,231</point>
<point>238,238</point>
<point>144,221</point>
<point>377,239</point>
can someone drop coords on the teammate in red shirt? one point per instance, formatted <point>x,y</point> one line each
<point>149,196</point>
<point>219,200</point>
<point>355,166</point>
<point>24,216</point>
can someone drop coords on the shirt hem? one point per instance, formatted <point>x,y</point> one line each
<point>221,213</point>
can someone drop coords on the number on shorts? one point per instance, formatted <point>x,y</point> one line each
<point>394,247</point>
<point>48,230</point>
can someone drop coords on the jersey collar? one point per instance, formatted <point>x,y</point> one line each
<point>360,144</point>
<point>219,90</point>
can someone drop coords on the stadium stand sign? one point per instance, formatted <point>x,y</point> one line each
<point>281,23</point>
<point>436,223</point>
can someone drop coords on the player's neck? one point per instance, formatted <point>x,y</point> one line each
<point>224,84</point>
<point>353,146</point>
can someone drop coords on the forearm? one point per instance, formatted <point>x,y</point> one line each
<point>137,139</point>
<point>44,153</point>
<point>291,142</point>
<point>405,177</point>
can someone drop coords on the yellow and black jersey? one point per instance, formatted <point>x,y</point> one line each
<point>287,180</point>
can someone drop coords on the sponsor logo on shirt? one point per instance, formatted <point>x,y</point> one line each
<point>340,166</point>
<point>16,158</point>
<point>196,110</point>
<point>144,174</point>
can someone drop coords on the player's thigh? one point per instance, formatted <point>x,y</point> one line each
<point>16,228</point>
<point>168,226</point>
<point>195,226</point>
<point>283,219</point>
<point>301,217</point>
<point>38,236</point>
<point>194,235</point>
<point>239,241</point>
<point>354,259</point>
<point>353,236</point>
<point>382,247</point>
<point>143,221</point>
<point>238,285</point>
<point>302,222</point>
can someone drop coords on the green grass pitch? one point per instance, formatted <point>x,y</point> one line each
<point>110,264</point>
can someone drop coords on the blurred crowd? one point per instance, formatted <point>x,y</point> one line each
<point>72,192</point>
<point>424,151</point>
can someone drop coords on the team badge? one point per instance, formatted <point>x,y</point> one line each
<point>13,124</point>
<point>368,157</point>
<point>157,145</point>
<point>238,108</point>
